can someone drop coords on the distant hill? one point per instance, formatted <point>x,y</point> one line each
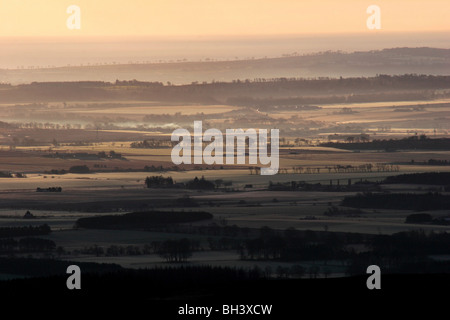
<point>432,61</point>
<point>258,92</point>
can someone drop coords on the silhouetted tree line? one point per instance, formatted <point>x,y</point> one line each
<point>411,243</point>
<point>86,156</point>
<point>334,211</point>
<point>405,201</point>
<point>171,250</point>
<point>9,232</point>
<point>103,168</point>
<point>404,252</point>
<point>397,265</point>
<point>426,218</point>
<point>196,183</point>
<point>397,252</point>
<point>114,250</point>
<point>79,169</point>
<point>36,245</point>
<point>223,243</point>
<point>431,178</point>
<point>291,249</point>
<point>50,189</point>
<point>175,250</point>
<point>153,143</point>
<point>141,220</point>
<point>5,174</point>
<point>200,184</point>
<point>418,218</point>
<point>212,229</point>
<point>335,186</point>
<point>413,142</point>
<point>153,168</point>
<point>294,245</point>
<point>12,175</point>
<point>434,162</point>
<point>158,182</point>
<point>28,244</point>
<point>77,155</point>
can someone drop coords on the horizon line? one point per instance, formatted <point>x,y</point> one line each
<point>211,37</point>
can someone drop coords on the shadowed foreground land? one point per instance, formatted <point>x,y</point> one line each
<point>164,292</point>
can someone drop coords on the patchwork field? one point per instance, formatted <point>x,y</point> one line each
<point>45,141</point>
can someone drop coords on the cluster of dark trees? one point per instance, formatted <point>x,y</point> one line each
<point>418,218</point>
<point>26,231</point>
<point>172,250</point>
<point>76,155</point>
<point>141,220</point>
<point>296,246</point>
<point>200,184</point>
<point>434,162</point>
<point>401,201</point>
<point>158,182</point>
<point>28,244</point>
<point>396,253</point>
<point>4,174</point>
<point>411,243</point>
<point>153,143</point>
<point>36,244</point>
<point>334,186</point>
<point>429,178</point>
<point>212,229</point>
<point>195,184</point>
<point>404,252</point>
<point>103,167</point>
<point>175,250</point>
<point>334,211</point>
<point>153,168</point>
<point>56,171</point>
<point>50,189</point>
<point>79,169</point>
<point>110,155</point>
<point>414,142</point>
<point>368,167</point>
<point>114,250</point>
<point>427,218</point>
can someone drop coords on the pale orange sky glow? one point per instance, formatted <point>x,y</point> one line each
<point>212,17</point>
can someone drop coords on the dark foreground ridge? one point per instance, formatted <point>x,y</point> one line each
<point>163,291</point>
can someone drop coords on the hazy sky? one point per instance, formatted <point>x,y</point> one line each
<point>218,17</point>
